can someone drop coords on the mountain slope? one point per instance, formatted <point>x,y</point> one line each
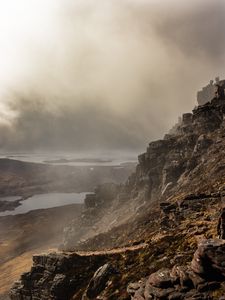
<point>170,207</point>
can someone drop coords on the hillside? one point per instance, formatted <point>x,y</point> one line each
<point>22,235</point>
<point>26,178</point>
<point>156,236</point>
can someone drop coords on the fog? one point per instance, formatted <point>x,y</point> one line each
<point>107,74</point>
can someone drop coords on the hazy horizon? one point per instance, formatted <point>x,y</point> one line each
<point>103,75</point>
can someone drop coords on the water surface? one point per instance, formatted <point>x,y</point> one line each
<point>44,201</point>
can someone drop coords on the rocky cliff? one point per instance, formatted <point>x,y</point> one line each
<point>159,231</point>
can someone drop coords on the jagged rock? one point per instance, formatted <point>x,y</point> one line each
<point>54,276</point>
<point>187,118</point>
<point>204,275</point>
<point>181,275</point>
<point>137,290</point>
<point>219,92</point>
<point>161,279</point>
<point>207,118</point>
<point>98,282</point>
<point>202,144</point>
<point>132,288</point>
<point>196,279</point>
<point>172,171</point>
<point>209,259</point>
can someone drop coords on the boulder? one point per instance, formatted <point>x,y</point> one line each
<point>209,259</point>
<point>98,282</point>
<point>136,290</point>
<point>161,279</point>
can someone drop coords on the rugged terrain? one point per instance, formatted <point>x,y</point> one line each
<point>25,234</point>
<point>158,236</point>
<point>25,179</point>
<point>36,231</point>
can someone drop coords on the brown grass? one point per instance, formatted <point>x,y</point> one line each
<point>11,270</point>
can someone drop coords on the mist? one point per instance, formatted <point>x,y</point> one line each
<point>92,75</point>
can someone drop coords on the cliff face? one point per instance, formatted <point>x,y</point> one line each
<point>180,164</point>
<point>157,219</point>
<point>168,162</point>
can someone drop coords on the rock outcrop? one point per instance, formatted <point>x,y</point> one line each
<point>61,276</point>
<point>98,282</point>
<point>165,163</point>
<point>200,280</point>
<point>49,277</point>
<point>210,91</point>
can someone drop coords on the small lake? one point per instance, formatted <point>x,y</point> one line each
<point>44,201</point>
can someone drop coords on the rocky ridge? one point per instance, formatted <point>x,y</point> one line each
<point>170,207</point>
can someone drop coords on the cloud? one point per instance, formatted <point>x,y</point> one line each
<point>196,31</point>
<point>109,74</point>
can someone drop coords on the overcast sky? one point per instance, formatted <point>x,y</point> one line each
<point>104,74</point>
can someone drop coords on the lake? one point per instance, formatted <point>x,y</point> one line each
<point>44,201</point>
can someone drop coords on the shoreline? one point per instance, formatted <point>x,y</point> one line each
<point>45,199</point>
